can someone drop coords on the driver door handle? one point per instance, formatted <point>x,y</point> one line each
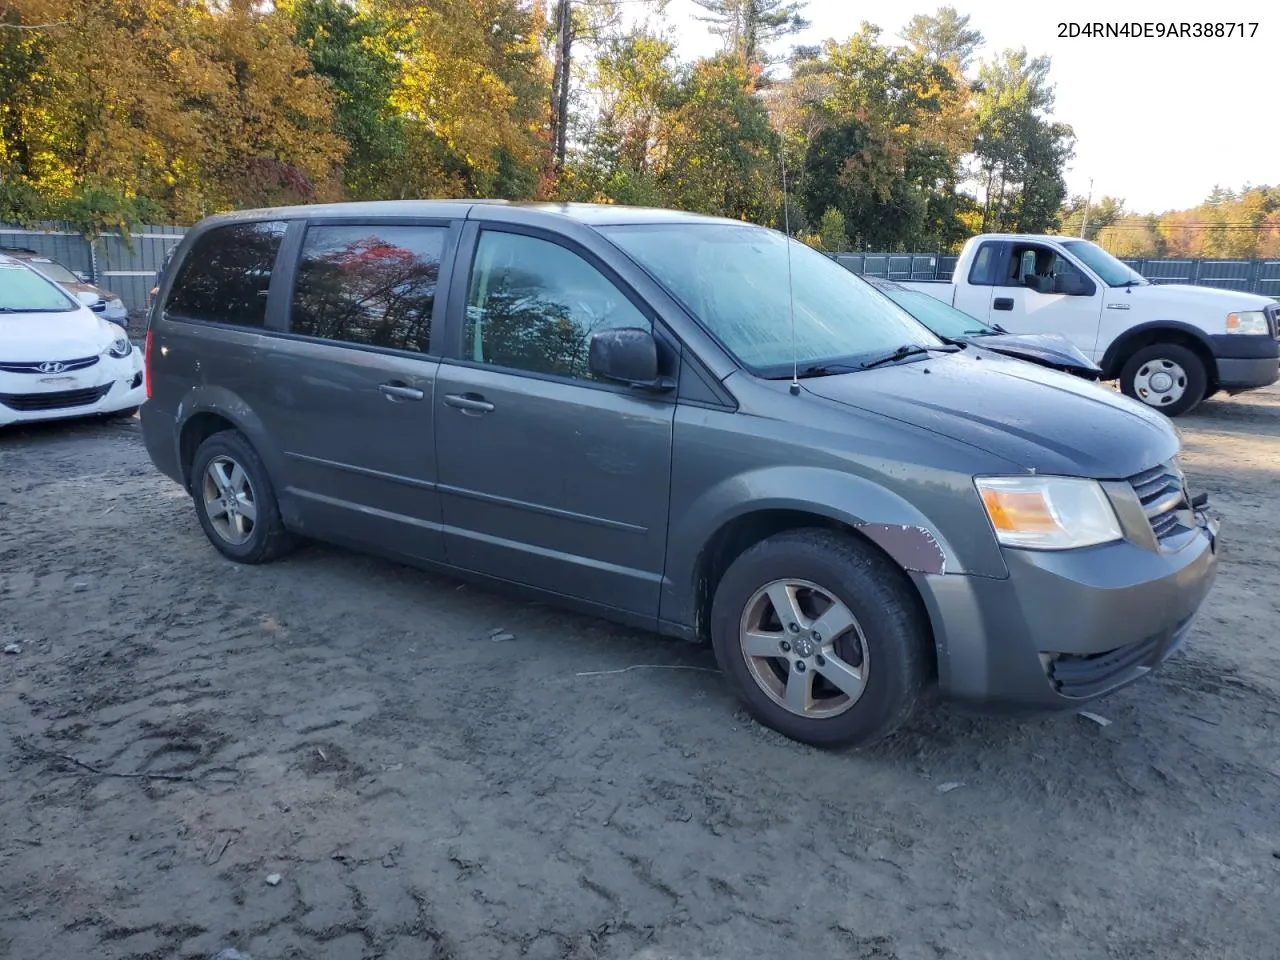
<point>395,390</point>
<point>468,402</point>
<point>1002,303</point>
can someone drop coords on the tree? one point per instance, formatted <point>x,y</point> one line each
<point>1131,237</point>
<point>1102,213</point>
<point>944,37</point>
<point>718,153</point>
<point>749,26</point>
<point>105,139</point>
<point>1020,153</point>
<point>353,49</point>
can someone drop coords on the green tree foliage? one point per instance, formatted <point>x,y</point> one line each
<point>1020,152</point>
<point>943,37</point>
<point>1102,214</point>
<point>749,26</point>
<point>881,132</point>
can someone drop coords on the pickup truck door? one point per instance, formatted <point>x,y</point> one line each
<point>1039,290</point>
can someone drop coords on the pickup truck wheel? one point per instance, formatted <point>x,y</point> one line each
<point>821,637</point>
<point>1167,377</point>
<point>235,502</point>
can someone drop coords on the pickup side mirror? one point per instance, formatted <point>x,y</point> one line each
<point>87,297</point>
<point>627,355</point>
<point>1074,285</point>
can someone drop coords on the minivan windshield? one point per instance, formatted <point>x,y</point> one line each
<point>734,281</point>
<point>942,318</point>
<point>1114,273</point>
<point>22,290</point>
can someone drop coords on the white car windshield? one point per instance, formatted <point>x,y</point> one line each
<point>24,291</point>
<point>1114,273</point>
<point>734,281</point>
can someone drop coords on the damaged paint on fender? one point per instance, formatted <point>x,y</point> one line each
<point>913,548</point>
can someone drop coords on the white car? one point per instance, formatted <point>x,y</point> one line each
<point>57,357</point>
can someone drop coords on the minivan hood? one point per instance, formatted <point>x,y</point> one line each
<point>1043,348</point>
<point>1037,418</point>
<point>34,337</point>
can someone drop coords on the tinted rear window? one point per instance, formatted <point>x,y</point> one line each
<point>368,284</point>
<point>225,276</point>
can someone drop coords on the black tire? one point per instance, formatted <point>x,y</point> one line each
<point>897,635</point>
<point>267,539</point>
<point>1194,381</point>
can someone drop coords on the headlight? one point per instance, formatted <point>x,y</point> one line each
<point>1048,513</point>
<point>120,347</point>
<point>1247,321</point>
<point>116,304</point>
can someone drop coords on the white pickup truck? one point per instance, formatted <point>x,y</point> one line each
<point>1169,345</point>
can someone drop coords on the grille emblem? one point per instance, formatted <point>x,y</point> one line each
<point>52,366</point>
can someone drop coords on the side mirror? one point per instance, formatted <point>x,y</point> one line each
<point>627,355</point>
<point>87,297</point>
<point>1073,285</point>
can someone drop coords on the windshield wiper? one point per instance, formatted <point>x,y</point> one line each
<point>906,350</point>
<point>825,369</point>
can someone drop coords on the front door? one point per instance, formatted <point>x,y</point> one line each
<point>547,477</point>
<point>351,389</point>
<point>1040,291</point>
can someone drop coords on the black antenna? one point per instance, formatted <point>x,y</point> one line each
<point>791,290</point>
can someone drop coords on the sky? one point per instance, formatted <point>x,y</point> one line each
<point>1158,122</point>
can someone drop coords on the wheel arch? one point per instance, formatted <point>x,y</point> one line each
<point>1159,331</point>
<point>210,410</point>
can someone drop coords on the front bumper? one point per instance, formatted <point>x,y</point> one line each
<point>1245,362</point>
<point>109,386</point>
<point>1067,627</point>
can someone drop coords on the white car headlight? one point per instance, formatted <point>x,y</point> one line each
<point>1048,513</point>
<point>120,346</point>
<point>1247,321</point>
<point>116,304</point>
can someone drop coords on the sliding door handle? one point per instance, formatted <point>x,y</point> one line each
<point>395,390</point>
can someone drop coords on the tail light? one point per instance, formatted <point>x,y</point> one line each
<point>146,364</point>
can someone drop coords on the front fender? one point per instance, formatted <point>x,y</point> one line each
<point>911,539</point>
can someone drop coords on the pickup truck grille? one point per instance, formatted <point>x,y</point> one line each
<point>1162,491</point>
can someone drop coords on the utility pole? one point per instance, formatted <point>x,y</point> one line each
<point>1088,200</point>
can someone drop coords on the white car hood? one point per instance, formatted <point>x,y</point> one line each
<point>1185,302</point>
<point>34,337</point>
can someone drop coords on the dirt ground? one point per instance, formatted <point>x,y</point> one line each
<point>424,791</point>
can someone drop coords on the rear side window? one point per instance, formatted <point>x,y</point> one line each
<point>983,271</point>
<point>367,284</point>
<point>225,276</point>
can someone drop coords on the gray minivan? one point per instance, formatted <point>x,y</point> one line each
<point>682,423</point>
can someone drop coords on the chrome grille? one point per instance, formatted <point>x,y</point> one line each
<point>1162,491</point>
<point>34,367</point>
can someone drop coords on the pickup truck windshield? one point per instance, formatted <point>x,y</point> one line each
<point>942,318</point>
<point>1113,272</point>
<point>25,291</point>
<point>733,280</point>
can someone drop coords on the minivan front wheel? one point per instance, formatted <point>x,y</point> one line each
<point>235,501</point>
<point>822,637</point>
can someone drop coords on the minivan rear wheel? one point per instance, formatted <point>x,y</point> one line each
<point>822,637</point>
<point>235,501</point>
